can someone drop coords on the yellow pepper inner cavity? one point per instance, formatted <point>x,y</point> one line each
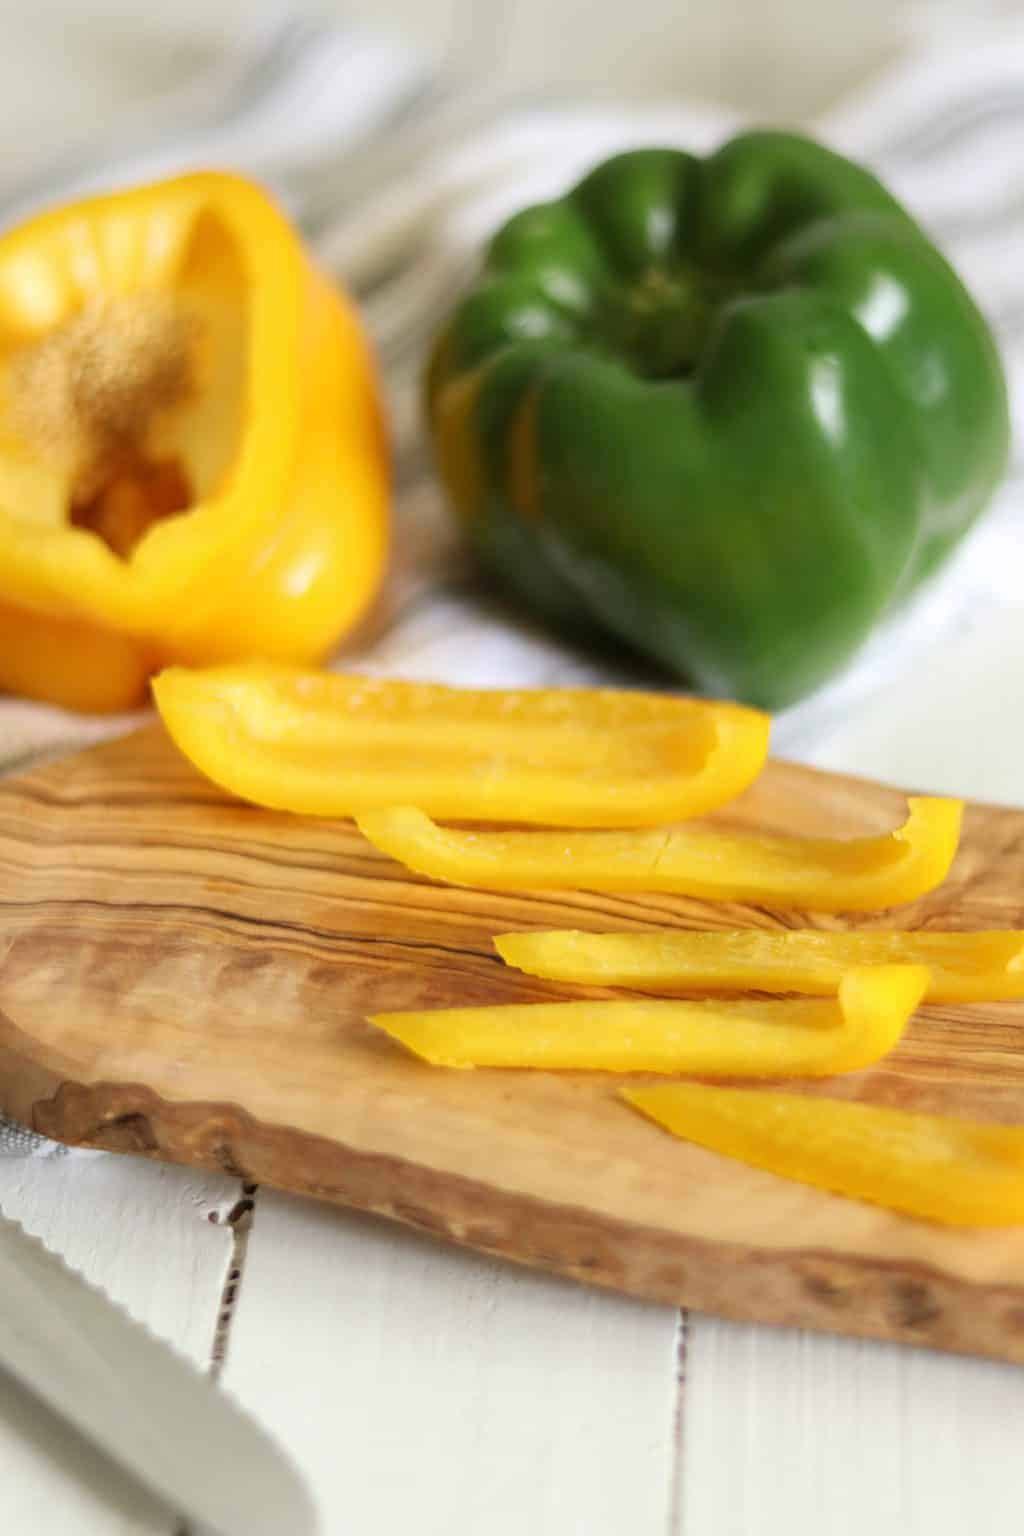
<point>86,399</point>
<point>129,407</point>
<point>330,745</point>
<point>860,874</point>
<point>963,967</point>
<point>947,1170</point>
<point>713,1039</point>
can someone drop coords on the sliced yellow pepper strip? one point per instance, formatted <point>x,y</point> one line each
<point>956,1171</point>
<point>963,967</point>
<point>328,745</point>
<point>713,1039</point>
<point>860,875</point>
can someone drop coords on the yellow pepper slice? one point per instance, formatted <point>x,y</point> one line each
<point>713,1039</point>
<point>329,745</point>
<point>957,1171</point>
<point>859,875</point>
<point>193,465</point>
<point>963,967</point>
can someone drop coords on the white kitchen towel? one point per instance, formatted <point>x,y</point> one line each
<point>398,177</point>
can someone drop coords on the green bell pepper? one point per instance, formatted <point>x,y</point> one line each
<point>730,410</point>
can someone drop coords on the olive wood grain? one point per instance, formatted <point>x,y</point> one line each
<point>186,977</point>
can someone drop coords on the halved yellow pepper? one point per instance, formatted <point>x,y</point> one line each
<point>958,1171</point>
<point>331,745</point>
<point>713,1039</point>
<point>962,967</point>
<point>192,458</point>
<point>862,874</point>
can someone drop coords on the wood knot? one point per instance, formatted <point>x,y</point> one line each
<point>914,1305</point>
<point>131,1132</point>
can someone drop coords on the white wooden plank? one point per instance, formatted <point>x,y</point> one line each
<point>144,1232</point>
<point>786,1432</point>
<point>436,1391</point>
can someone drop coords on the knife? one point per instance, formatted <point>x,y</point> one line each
<point>145,1406</point>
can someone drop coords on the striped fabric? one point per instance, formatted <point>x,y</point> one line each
<point>397,178</point>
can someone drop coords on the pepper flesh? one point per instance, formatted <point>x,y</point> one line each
<point>861,874</point>
<point>962,967</point>
<point>714,1039</point>
<point>330,745</point>
<point>192,457</point>
<point>961,1172</point>
<point>609,400</point>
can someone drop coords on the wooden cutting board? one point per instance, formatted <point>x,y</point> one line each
<point>186,977</point>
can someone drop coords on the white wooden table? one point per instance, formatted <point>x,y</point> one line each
<point>428,1390</point>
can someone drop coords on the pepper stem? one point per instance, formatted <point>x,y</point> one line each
<point>661,322</point>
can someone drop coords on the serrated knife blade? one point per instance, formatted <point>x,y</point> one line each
<point>146,1407</point>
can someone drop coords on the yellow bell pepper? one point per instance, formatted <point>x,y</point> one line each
<point>962,967</point>
<point>713,863</point>
<point>961,1172</point>
<point>330,745</point>
<point>713,1039</point>
<point>192,457</point>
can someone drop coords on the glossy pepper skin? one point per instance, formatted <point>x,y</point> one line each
<point>323,744</point>
<point>936,1167</point>
<point>711,863</point>
<point>730,410</point>
<point>273,430</point>
<point>962,967</point>
<point>713,1038</point>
